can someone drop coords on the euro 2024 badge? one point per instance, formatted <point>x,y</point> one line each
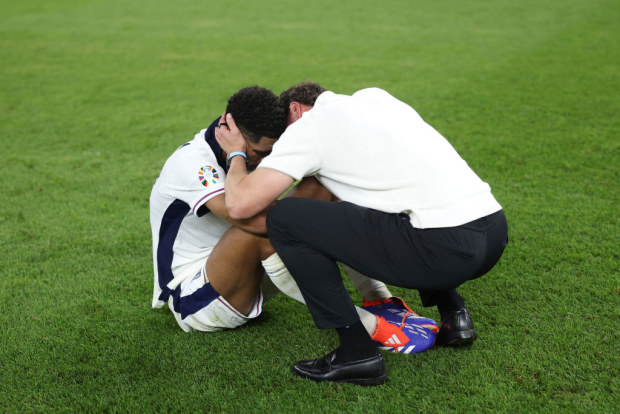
<point>208,175</point>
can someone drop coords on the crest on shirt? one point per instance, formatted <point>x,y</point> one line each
<point>208,175</point>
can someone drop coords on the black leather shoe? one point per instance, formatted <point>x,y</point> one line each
<point>369,371</point>
<point>456,329</point>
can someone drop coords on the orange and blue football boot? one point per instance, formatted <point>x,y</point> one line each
<point>395,310</point>
<point>401,338</point>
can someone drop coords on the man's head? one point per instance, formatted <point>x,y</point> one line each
<point>299,98</point>
<point>260,118</point>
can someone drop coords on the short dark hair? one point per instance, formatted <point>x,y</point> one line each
<point>257,113</point>
<point>304,93</point>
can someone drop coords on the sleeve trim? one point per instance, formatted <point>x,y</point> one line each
<point>204,198</point>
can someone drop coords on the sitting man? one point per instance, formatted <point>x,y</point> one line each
<point>209,267</point>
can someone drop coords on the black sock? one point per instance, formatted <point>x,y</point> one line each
<point>355,344</point>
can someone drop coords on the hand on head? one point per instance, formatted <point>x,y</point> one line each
<point>228,135</point>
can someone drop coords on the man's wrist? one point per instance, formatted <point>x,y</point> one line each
<point>233,154</point>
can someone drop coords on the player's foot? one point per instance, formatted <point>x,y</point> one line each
<point>456,329</point>
<point>401,338</point>
<point>395,310</point>
<point>366,371</point>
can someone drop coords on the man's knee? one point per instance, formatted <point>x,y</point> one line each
<point>238,241</point>
<point>284,208</point>
<point>280,215</point>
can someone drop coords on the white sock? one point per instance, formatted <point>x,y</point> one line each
<point>368,319</point>
<point>279,275</point>
<point>370,289</point>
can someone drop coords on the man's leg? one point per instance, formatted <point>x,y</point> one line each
<point>356,359</point>
<point>311,236</point>
<point>225,293</point>
<point>370,289</point>
<point>445,300</point>
<point>457,326</point>
<point>234,267</point>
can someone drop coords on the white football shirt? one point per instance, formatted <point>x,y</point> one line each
<point>184,231</point>
<point>375,151</point>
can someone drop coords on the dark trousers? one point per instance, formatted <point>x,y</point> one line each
<point>311,235</point>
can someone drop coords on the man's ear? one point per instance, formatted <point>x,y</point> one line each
<point>293,113</point>
<point>295,110</point>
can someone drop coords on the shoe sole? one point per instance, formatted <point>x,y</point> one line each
<point>357,381</point>
<point>460,338</point>
<point>366,381</point>
<point>411,349</point>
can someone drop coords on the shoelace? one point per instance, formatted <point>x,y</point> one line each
<point>399,302</point>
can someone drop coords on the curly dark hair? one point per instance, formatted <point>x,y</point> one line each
<point>305,93</point>
<point>257,113</point>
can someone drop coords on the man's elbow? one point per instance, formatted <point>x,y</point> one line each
<point>240,211</point>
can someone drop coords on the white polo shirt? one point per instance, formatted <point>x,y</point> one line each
<point>375,151</point>
<point>184,231</point>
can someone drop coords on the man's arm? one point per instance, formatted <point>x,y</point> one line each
<point>308,188</point>
<point>256,224</point>
<point>248,194</point>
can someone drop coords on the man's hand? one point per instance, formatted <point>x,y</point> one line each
<point>247,194</point>
<point>228,135</point>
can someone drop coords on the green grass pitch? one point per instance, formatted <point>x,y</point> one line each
<point>95,95</point>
